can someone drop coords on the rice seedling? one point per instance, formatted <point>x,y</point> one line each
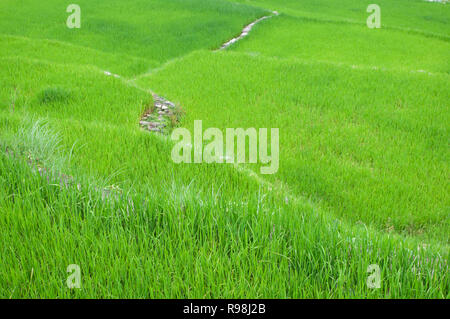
<point>362,182</point>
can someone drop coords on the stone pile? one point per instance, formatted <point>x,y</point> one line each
<point>158,119</point>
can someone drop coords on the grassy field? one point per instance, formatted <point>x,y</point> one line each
<point>364,160</point>
<point>365,154</point>
<point>411,16</point>
<point>354,45</point>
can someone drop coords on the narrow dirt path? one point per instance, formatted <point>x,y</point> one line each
<point>246,31</point>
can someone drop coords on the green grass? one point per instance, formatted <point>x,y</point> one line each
<point>155,30</point>
<point>366,154</point>
<point>363,175</point>
<point>62,52</point>
<point>147,244</point>
<point>412,16</point>
<point>348,44</point>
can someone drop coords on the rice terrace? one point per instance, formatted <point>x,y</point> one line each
<point>211,149</point>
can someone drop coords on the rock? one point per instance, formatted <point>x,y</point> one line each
<point>156,120</point>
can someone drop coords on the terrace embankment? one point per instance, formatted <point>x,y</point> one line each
<point>246,31</point>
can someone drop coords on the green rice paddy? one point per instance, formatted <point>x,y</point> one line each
<point>363,173</point>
